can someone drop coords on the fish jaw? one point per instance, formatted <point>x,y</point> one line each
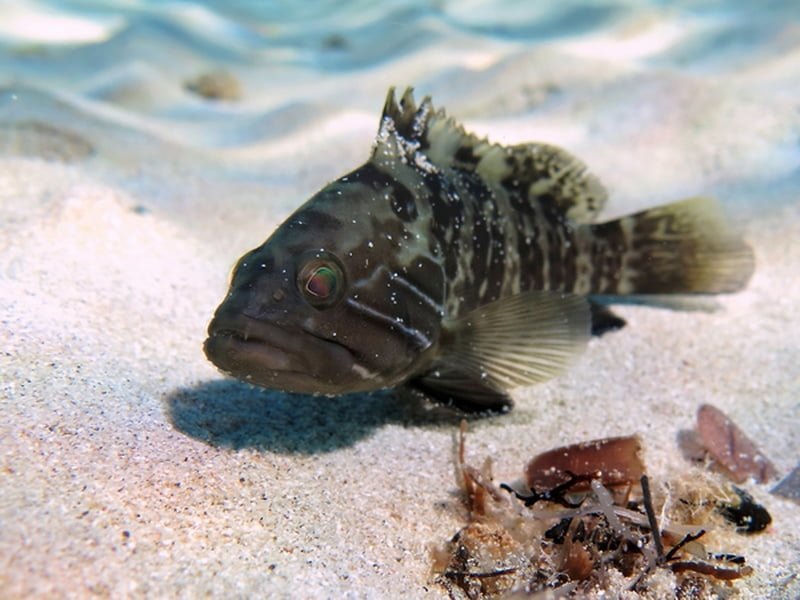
<point>273,356</point>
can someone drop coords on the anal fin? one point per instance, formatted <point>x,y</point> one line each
<point>461,392</point>
<point>604,320</point>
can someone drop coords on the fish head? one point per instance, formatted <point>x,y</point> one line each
<point>327,304</point>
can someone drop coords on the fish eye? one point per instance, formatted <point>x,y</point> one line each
<point>321,281</point>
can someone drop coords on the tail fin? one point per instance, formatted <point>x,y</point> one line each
<point>685,247</point>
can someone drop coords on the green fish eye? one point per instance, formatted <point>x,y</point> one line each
<point>321,282</point>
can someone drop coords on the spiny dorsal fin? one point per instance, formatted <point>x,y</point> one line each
<point>405,119</point>
<point>424,136</point>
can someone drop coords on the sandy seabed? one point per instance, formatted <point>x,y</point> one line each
<point>130,467</point>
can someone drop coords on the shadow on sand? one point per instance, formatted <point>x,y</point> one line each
<point>235,415</point>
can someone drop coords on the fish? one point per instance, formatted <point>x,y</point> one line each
<point>457,268</point>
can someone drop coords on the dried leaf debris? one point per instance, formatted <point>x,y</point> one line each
<point>595,527</point>
<point>727,448</point>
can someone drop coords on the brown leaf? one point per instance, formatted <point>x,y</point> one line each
<point>615,462</point>
<point>730,448</point>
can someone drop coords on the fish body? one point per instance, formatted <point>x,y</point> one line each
<point>457,266</point>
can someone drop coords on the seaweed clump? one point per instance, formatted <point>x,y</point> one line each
<point>591,529</point>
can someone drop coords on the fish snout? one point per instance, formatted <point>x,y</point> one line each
<point>275,355</point>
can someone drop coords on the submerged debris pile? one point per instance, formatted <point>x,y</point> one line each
<point>585,521</point>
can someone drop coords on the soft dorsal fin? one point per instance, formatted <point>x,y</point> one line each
<point>543,173</point>
<point>548,174</point>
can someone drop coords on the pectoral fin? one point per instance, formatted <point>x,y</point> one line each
<point>515,341</point>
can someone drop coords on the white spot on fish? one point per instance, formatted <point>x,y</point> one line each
<point>363,372</point>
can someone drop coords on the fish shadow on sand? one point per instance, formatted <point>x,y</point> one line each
<point>231,414</point>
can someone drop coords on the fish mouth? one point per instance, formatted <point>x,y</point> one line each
<point>287,358</point>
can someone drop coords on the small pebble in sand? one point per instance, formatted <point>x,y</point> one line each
<point>215,85</point>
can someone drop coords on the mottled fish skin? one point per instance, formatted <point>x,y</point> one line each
<point>429,245</point>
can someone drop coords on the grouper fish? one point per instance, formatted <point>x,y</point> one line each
<point>455,266</point>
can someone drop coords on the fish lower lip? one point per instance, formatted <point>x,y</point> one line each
<point>239,353</point>
<point>242,344</point>
<point>237,335</point>
<point>264,353</point>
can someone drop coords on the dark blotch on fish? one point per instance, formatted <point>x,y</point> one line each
<point>457,266</point>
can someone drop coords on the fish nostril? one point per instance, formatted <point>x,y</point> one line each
<point>278,295</point>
